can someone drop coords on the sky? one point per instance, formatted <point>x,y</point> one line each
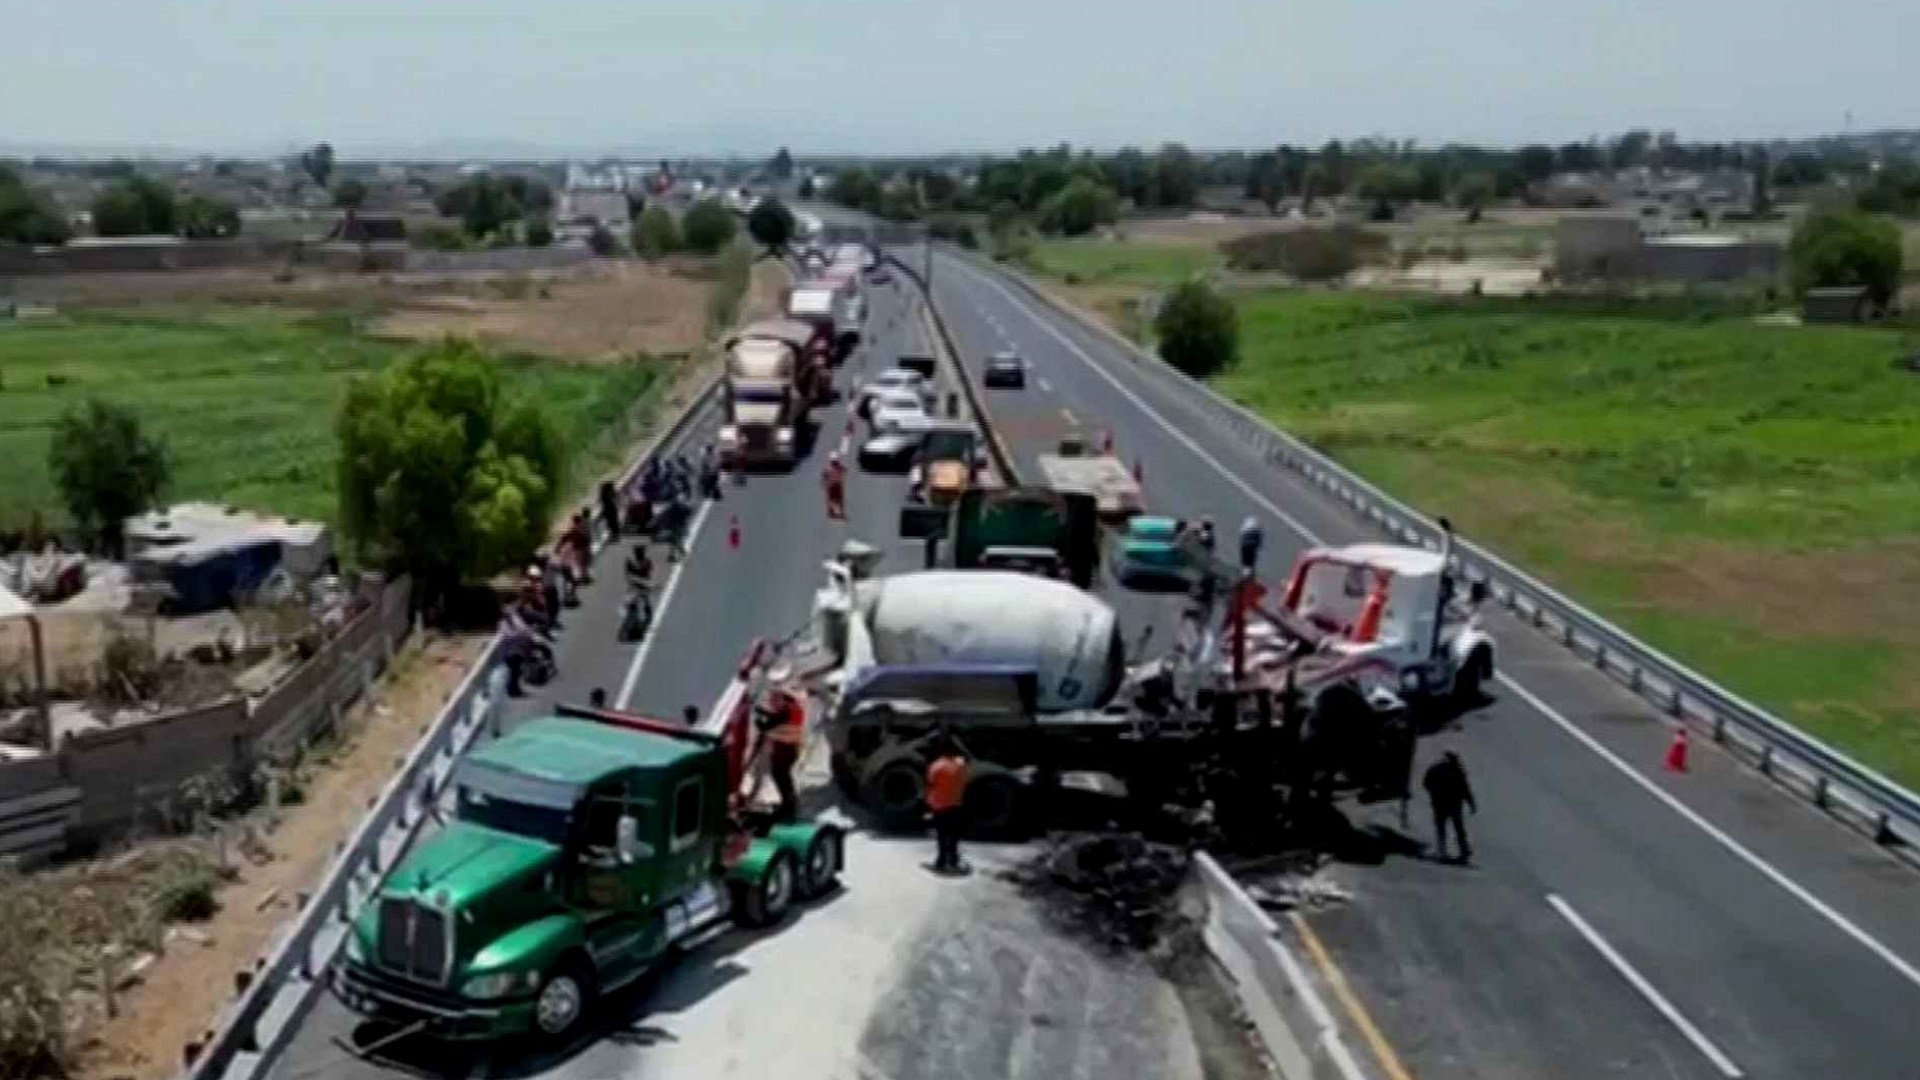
<point>904,76</point>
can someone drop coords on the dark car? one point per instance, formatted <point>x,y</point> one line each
<point>1007,370</point>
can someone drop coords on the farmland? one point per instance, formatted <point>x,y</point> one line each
<point>1745,496</point>
<point>245,398</point>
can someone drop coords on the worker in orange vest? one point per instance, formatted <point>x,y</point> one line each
<point>835,480</point>
<point>785,726</point>
<point>946,783</point>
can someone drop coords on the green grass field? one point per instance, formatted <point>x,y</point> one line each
<point>1745,497</point>
<point>246,399</point>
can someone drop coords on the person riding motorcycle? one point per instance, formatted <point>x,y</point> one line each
<point>523,645</point>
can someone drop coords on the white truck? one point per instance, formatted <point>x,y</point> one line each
<point>764,403</point>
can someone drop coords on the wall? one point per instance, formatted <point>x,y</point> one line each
<point>105,781</point>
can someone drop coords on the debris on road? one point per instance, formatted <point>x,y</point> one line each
<point>1117,889</point>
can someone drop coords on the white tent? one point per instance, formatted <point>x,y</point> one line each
<point>13,606</point>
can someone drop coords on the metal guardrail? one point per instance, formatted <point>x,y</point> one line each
<point>1847,789</point>
<point>258,1025</point>
<point>1002,460</point>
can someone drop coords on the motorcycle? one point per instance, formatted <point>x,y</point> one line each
<point>636,618</point>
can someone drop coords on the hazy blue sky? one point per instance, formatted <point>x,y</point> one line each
<point>898,75</point>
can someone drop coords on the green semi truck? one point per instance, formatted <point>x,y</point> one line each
<point>585,848</point>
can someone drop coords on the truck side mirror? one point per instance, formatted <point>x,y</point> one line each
<point>627,839</point>
<point>1477,593</point>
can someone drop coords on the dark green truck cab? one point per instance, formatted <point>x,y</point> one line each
<point>581,853</point>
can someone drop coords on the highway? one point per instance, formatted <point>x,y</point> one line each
<point>901,974</point>
<point>1617,920</point>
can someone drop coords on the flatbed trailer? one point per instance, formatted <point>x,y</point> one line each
<point>1115,492</point>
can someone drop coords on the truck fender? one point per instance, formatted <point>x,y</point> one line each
<point>818,849</point>
<point>537,946</point>
<point>748,868</point>
<point>1468,640</point>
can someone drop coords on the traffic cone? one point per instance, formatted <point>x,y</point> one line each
<point>1138,478</point>
<point>1106,441</point>
<point>1677,751</point>
<point>733,532</point>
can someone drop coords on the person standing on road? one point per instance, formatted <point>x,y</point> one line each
<point>1447,788</point>
<point>835,481</point>
<point>1250,540</point>
<point>610,509</point>
<point>597,698</point>
<point>946,784</point>
<point>690,715</point>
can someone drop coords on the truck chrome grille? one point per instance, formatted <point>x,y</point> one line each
<point>413,941</point>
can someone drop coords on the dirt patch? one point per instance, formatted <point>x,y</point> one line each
<point>610,310</point>
<point>184,989</point>
<point>1117,890</point>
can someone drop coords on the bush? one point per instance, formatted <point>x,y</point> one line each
<point>707,227</point>
<point>137,206</point>
<point>107,469</point>
<point>1198,330</point>
<point>602,242</point>
<point>201,218</point>
<point>1309,254</point>
<point>1079,208</point>
<point>771,224</point>
<point>28,216</point>
<point>655,233</point>
<point>437,237</point>
<point>539,232</point>
<point>1836,247</point>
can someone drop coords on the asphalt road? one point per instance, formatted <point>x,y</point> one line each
<point>901,974</point>
<point>1617,920</point>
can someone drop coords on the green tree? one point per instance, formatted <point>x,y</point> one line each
<point>856,189</point>
<point>781,167</point>
<point>107,469</point>
<point>1473,192</point>
<point>1266,181</point>
<point>1535,162</point>
<point>1079,208</point>
<point>203,218</point>
<point>1835,246</point>
<point>442,474</point>
<point>350,194</point>
<point>137,206</point>
<point>1002,217</point>
<point>484,203</point>
<point>655,233</point>
<point>317,162</point>
<point>539,231</point>
<point>707,227</point>
<point>1176,182</point>
<point>1197,329</point>
<point>28,216</point>
<point>771,225</point>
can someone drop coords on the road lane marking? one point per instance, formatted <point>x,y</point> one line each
<point>1356,1011</point>
<point>1739,850</point>
<point>692,542</point>
<point>1046,387</point>
<point>1768,870</point>
<point>1639,982</point>
<point>1067,415</point>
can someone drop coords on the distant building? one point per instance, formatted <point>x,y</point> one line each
<point>591,208</point>
<point>1837,304</point>
<point>1613,247</point>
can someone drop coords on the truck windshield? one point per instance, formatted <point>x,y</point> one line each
<point>515,803</point>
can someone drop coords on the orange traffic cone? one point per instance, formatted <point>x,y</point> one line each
<point>1677,751</point>
<point>733,532</point>
<point>1138,478</point>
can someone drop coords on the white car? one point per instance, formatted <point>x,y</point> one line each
<point>895,379</point>
<point>896,410</point>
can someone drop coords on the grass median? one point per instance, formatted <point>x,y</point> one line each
<point>1743,496</point>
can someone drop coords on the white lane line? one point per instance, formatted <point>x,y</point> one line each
<point>632,681</point>
<point>1046,387</point>
<point>1739,850</point>
<point>1768,870</point>
<point>1654,997</point>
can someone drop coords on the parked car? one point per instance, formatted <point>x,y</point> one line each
<point>892,380</point>
<point>897,409</point>
<point>1148,555</point>
<point>890,451</point>
<point>1006,370</point>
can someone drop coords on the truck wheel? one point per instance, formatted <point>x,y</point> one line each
<point>992,803</point>
<point>896,792</point>
<point>822,865</point>
<point>763,902</point>
<point>563,1000</point>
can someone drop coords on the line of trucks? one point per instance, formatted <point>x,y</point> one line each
<point>778,370</point>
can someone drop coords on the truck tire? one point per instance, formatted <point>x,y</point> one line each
<point>1470,684</point>
<point>765,902</point>
<point>564,1000</point>
<point>895,791</point>
<point>992,802</point>
<point>822,863</point>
